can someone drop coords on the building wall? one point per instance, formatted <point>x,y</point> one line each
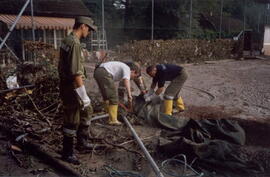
<point>266,41</point>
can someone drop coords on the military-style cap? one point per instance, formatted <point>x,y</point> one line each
<point>86,20</point>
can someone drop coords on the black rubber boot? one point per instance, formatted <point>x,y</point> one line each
<point>83,145</point>
<point>83,139</point>
<point>68,151</point>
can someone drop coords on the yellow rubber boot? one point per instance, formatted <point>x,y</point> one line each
<point>180,104</point>
<point>113,115</point>
<point>106,106</point>
<point>168,106</point>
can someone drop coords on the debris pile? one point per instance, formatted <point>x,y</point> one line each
<point>34,104</point>
<point>177,51</point>
<point>42,51</point>
<point>33,113</point>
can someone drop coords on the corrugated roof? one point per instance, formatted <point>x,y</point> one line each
<point>40,22</point>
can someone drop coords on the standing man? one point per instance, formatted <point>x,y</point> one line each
<point>76,103</point>
<point>162,73</point>
<point>106,74</point>
<point>139,81</point>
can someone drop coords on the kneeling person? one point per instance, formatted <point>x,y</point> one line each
<point>167,72</point>
<point>106,74</point>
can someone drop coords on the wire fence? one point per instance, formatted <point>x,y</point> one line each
<point>178,19</point>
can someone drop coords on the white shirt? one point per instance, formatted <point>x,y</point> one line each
<point>118,70</point>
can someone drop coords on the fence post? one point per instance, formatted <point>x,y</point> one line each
<point>221,15</point>
<point>14,24</point>
<point>190,19</point>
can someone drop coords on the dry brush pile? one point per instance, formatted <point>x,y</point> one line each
<point>32,107</point>
<point>177,51</point>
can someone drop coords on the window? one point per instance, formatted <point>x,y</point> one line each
<point>27,35</point>
<point>49,37</point>
<point>39,35</point>
<point>60,34</point>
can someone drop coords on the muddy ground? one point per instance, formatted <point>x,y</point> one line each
<point>238,89</point>
<point>242,85</point>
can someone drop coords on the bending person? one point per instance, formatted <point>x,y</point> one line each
<point>139,81</point>
<point>106,74</point>
<point>162,73</point>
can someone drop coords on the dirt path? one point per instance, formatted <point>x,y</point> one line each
<point>232,84</point>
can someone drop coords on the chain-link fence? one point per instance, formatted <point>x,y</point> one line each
<point>126,20</point>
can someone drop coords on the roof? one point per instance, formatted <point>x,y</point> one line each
<point>40,22</point>
<point>49,8</point>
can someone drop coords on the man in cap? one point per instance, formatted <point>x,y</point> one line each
<point>106,74</point>
<point>162,73</point>
<point>76,103</point>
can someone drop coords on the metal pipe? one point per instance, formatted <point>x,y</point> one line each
<point>10,50</point>
<point>152,27</point>
<point>190,19</point>
<point>14,24</point>
<point>244,26</point>
<point>103,23</point>
<point>22,87</point>
<point>221,16</point>
<point>259,18</point>
<point>99,117</point>
<point>32,20</point>
<point>147,154</point>
<point>33,29</point>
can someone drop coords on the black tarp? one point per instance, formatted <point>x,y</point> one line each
<point>217,145</point>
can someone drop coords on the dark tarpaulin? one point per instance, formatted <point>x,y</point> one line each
<point>215,144</point>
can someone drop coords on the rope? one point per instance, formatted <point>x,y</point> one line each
<point>165,163</point>
<point>112,172</point>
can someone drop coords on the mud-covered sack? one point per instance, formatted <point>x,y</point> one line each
<point>150,112</point>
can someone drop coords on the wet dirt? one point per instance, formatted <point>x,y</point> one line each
<point>16,163</point>
<point>243,85</point>
<point>233,84</point>
<point>238,90</point>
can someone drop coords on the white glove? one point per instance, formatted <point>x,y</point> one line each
<point>83,96</point>
<point>101,55</point>
<point>98,54</point>
<point>150,97</point>
<point>149,93</point>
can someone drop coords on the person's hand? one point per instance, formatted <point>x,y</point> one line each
<point>149,93</point>
<point>143,92</point>
<point>150,97</point>
<point>83,96</point>
<point>101,55</point>
<point>130,104</point>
